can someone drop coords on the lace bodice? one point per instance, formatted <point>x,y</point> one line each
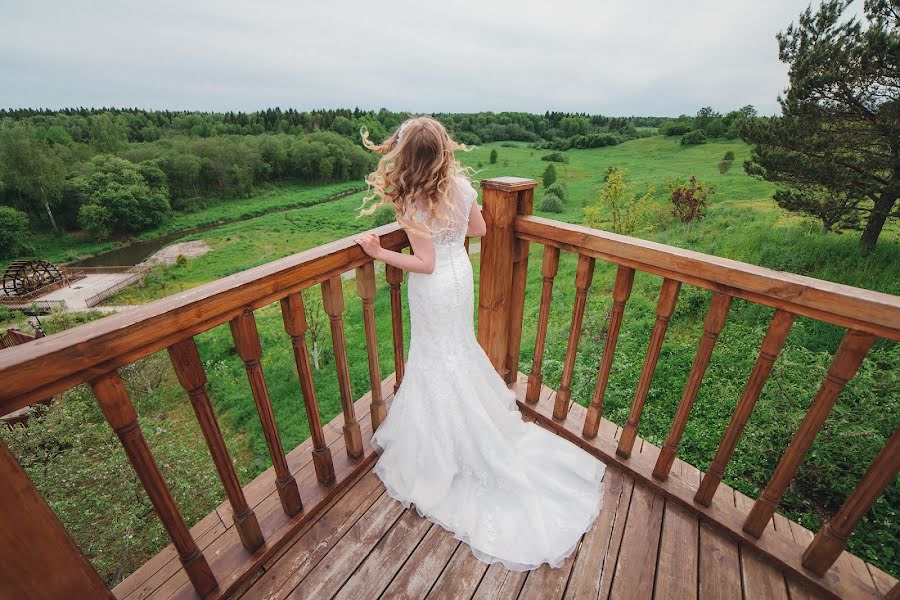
<point>447,236</point>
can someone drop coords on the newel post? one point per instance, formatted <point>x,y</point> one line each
<point>504,265</point>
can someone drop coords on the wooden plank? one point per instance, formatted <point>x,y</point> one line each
<point>676,569</point>
<point>50,365</point>
<point>548,583</point>
<point>760,578</point>
<point>303,555</point>
<point>727,520</point>
<point>842,305</point>
<point>592,560</point>
<point>379,568</point>
<point>338,565</point>
<point>424,566</point>
<point>461,577</point>
<point>637,558</point>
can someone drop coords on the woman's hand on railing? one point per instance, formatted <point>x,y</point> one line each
<point>421,261</point>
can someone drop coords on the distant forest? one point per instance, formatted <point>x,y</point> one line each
<point>115,171</point>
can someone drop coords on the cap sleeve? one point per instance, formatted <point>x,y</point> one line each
<point>468,191</point>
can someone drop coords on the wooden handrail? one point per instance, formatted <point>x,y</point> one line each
<point>45,367</point>
<point>843,305</point>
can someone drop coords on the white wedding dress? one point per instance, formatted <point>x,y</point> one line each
<point>454,443</point>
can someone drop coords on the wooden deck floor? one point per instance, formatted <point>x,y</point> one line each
<point>362,544</point>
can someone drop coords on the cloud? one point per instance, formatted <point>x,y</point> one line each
<point>616,57</point>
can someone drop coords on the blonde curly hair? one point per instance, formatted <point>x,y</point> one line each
<point>415,174</point>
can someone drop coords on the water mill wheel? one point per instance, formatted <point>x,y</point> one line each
<point>23,277</point>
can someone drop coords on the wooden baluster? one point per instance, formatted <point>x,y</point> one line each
<point>294,315</point>
<point>777,333</point>
<point>333,299</point>
<point>665,306</point>
<point>712,326</point>
<point>832,537</point>
<point>621,292</point>
<point>549,268</point>
<point>466,244</point>
<point>189,369</point>
<point>365,287</point>
<point>847,359</point>
<point>394,278</point>
<point>109,389</point>
<point>525,200</point>
<point>583,275</point>
<point>246,342</point>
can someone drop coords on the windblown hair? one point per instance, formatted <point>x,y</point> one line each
<point>415,174</point>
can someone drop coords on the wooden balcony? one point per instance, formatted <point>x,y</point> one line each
<point>318,524</point>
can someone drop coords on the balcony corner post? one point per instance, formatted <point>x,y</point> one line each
<point>503,270</point>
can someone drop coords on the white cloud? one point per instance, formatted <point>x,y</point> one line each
<point>617,57</point>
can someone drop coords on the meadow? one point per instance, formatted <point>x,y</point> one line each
<point>741,223</point>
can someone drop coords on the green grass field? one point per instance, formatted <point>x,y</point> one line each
<point>742,223</point>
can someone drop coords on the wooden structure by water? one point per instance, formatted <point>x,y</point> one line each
<point>319,525</point>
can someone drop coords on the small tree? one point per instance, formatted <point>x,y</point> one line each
<point>729,155</point>
<point>315,324</point>
<point>493,159</point>
<point>689,200</point>
<point>549,176</point>
<point>627,209</point>
<point>725,166</point>
<point>558,190</point>
<point>551,203</point>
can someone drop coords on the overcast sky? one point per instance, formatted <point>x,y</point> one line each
<point>614,57</point>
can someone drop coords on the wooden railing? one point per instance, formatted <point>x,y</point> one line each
<point>39,558</point>
<point>48,564</point>
<point>865,314</point>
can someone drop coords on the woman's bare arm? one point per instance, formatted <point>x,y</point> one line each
<point>477,226</point>
<point>421,261</point>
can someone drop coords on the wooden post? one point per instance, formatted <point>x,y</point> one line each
<point>549,269</point>
<point>365,287</point>
<point>294,315</point>
<point>246,342</point>
<point>496,292</point>
<point>777,333</point>
<point>832,537</point>
<point>844,365</point>
<point>525,201</point>
<point>40,560</point>
<point>189,369</point>
<point>712,326</point>
<point>394,278</point>
<point>583,275</point>
<point>664,308</point>
<point>333,299</point>
<point>109,389</point>
<point>621,292</point>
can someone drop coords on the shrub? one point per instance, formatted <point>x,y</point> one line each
<point>729,155</point>
<point>180,260</point>
<point>725,166</point>
<point>672,129</point>
<point>689,200</point>
<point>384,215</point>
<point>549,175</point>
<point>558,190</point>
<point>629,211</point>
<point>509,145</point>
<point>556,157</point>
<point>493,158</point>
<point>551,203</point>
<point>13,230</point>
<point>95,220</point>
<point>693,137</point>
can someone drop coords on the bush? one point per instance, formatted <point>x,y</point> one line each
<point>549,175</point>
<point>551,203</point>
<point>693,137</point>
<point>628,211</point>
<point>493,158</point>
<point>509,145</point>
<point>558,190</point>
<point>689,200</point>
<point>725,166</point>
<point>95,220</point>
<point>384,215</point>
<point>673,129</point>
<point>729,155</point>
<point>556,157</point>
<point>13,230</point>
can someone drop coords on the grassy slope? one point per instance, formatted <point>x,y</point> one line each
<point>742,224</point>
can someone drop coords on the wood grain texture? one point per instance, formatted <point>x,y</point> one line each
<point>583,274</point>
<point>549,268</point>
<point>394,278</point>
<point>712,326</point>
<point>842,305</point>
<point>365,287</point>
<point>189,369</point>
<point>621,292</point>
<point>246,342</point>
<point>668,294</point>
<point>847,359</point>
<point>293,314</point>
<point>524,202</point>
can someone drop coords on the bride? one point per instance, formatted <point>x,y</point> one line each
<point>454,444</point>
